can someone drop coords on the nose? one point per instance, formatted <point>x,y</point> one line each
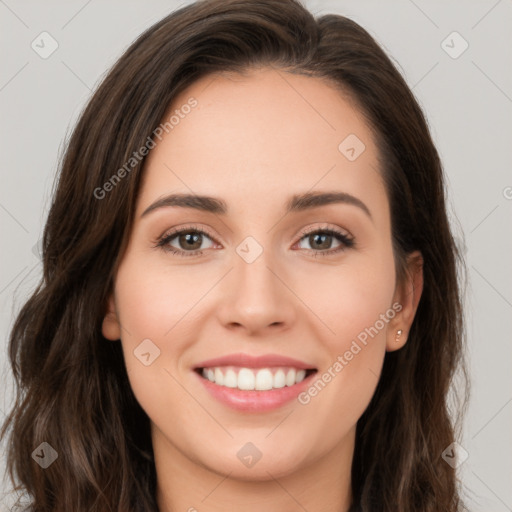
<point>256,297</point>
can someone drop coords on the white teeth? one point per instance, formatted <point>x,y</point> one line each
<point>279,379</point>
<point>230,379</point>
<point>264,380</point>
<point>219,377</point>
<point>246,379</point>
<point>249,379</point>
<point>290,378</point>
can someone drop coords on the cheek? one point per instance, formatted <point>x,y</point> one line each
<point>345,385</point>
<point>159,308</point>
<point>154,300</point>
<point>351,299</point>
<point>356,304</point>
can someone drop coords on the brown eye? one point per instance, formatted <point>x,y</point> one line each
<point>321,241</point>
<point>191,241</point>
<point>186,242</point>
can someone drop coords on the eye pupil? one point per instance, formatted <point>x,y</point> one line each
<point>190,239</point>
<point>313,239</point>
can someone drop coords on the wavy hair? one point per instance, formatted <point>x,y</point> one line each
<point>72,390</point>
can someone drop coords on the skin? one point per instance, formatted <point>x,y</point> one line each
<point>254,141</point>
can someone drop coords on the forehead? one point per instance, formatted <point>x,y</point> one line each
<point>262,132</point>
<point>273,107</point>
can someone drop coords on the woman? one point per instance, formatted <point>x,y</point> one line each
<point>250,292</point>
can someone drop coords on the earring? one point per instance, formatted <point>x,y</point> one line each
<point>398,334</point>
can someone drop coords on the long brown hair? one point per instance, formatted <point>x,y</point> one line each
<point>71,383</point>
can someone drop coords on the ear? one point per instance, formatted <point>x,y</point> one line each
<point>111,327</point>
<point>407,295</point>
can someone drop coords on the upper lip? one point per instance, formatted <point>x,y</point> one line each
<point>248,361</point>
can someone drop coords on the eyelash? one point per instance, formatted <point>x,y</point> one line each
<point>163,242</point>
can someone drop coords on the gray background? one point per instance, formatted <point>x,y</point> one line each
<point>468,102</point>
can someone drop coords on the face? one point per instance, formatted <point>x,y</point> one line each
<point>254,324</point>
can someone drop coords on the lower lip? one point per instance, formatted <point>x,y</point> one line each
<point>255,401</point>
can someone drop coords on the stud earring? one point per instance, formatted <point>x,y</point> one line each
<point>398,334</point>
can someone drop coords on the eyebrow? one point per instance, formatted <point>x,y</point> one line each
<point>297,203</point>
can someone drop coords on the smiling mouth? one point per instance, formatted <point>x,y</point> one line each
<point>255,379</point>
